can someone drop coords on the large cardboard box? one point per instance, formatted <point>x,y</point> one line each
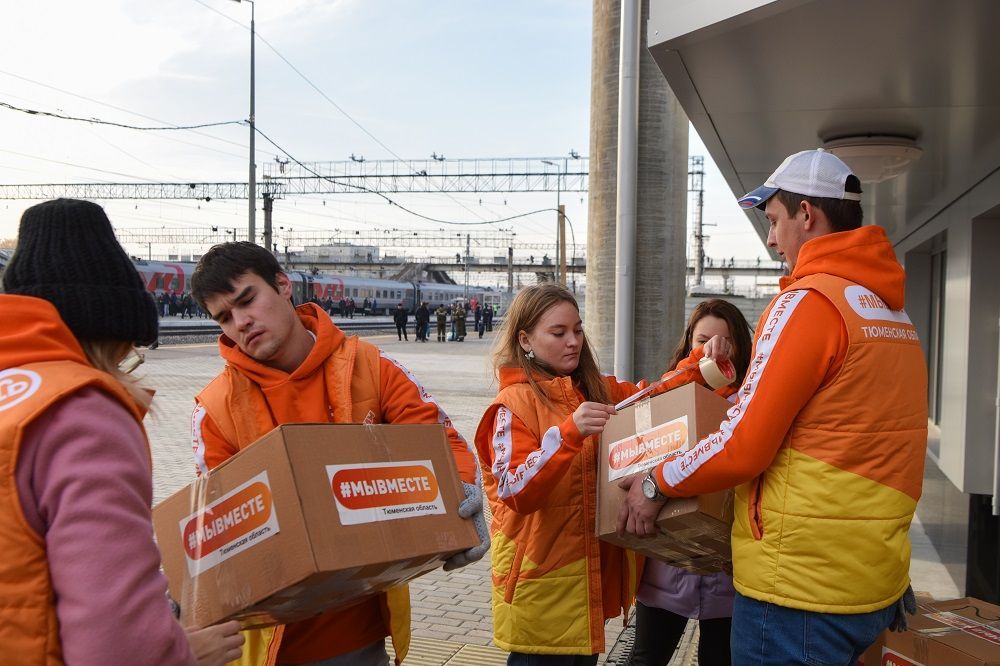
<point>694,532</point>
<point>311,517</point>
<point>959,632</point>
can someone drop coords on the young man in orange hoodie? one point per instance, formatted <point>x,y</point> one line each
<point>826,441</point>
<point>293,365</point>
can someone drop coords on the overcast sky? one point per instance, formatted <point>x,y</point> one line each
<point>460,78</point>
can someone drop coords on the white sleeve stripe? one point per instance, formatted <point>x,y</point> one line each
<point>679,469</point>
<point>510,483</point>
<point>197,441</point>
<point>443,417</point>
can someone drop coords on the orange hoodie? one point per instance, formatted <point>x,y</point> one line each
<point>302,396</point>
<point>311,394</point>
<point>825,444</point>
<point>811,349</point>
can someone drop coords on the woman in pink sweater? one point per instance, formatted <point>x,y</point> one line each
<point>80,578</point>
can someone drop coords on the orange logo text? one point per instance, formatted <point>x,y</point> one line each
<point>359,488</point>
<point>227,521</point>
<point>665,439</point>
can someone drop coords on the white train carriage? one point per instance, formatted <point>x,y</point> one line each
<point>383,295</point>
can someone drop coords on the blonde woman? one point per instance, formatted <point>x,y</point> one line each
<point>554,583</point>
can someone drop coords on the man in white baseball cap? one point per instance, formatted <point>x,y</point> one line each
<point>812,179</point>
<point>814,173</point>
<point>826,442</point>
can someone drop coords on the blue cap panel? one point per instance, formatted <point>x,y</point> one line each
<point>757,198</point>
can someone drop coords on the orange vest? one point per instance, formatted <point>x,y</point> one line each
<point>29,629</point>
<point>238,407</point>
<point>825,527</point>
<point>554,583</point>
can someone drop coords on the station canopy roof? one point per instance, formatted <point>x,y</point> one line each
<point>761,80</point>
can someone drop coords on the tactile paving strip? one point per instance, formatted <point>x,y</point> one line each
<point>432,652</point>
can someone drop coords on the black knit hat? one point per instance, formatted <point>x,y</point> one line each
<point>67,254</point>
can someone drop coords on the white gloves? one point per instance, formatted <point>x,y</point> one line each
<point>471,507</point>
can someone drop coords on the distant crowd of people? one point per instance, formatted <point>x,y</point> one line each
<point>346,307</point>
<point>457,314</point>
<point>173,304</point>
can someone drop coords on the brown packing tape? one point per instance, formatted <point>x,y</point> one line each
<point>953,623</point>
<point>716,549</point>
<point>675,551</point>
<point>643,416</point>
<point>203,491</point>
<point>685,534</point>
<point>921,648</point>
<point>694,526</point>
<point>377,439</point>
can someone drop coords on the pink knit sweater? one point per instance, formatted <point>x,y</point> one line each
<point>85,486</point>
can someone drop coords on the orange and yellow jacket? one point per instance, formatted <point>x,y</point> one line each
<point>44,365</point>
<point>826,441</point>
<point>554,583</point>
<point>342,380</point>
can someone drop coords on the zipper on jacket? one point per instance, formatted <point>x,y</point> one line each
<point>753,507</point>
<point>515,573</point>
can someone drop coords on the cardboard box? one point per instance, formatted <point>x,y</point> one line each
<point>695,531</point>
<point>960,632</point>
<point>311,517</point>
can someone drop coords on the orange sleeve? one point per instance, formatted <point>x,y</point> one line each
<point>801,345</point>
<point>619,390</point>
<point>687,371</point>
<point>690,372</point>
<point>210,447</point>
<point>526,467</point>
<point>405,400</point>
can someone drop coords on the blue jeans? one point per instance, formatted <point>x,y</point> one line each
<point>769,635</point>
<point>522,659</point>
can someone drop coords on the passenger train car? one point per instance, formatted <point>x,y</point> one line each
<point>175,277</point>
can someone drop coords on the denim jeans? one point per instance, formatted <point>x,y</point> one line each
<point>522,659</point>
<point>769,635</point>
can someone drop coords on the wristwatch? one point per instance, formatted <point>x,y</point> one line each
<point>650,490</point>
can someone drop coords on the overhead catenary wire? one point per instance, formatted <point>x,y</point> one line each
<point>98,121</point>
<point>78,166</point>
<point>334,104</point>
<point>362,188</point>
<point>137,114</point>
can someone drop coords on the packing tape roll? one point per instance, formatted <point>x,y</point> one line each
<point>715,375</point>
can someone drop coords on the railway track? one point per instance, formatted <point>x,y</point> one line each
<point>168,332</point>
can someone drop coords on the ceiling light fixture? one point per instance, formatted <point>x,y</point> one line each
<point>874,158</point>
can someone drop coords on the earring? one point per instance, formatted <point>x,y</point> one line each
<point>530,355</point>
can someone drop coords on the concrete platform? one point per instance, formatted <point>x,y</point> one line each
<point>451,612</point>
